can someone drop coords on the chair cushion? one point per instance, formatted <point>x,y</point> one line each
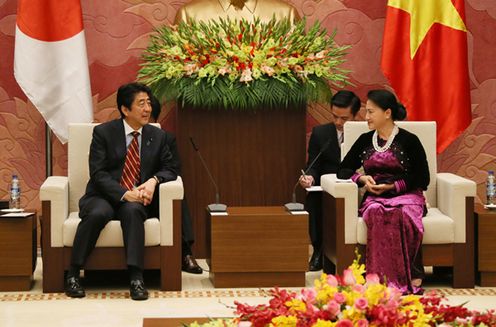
<point>438,228</point>
<point>111,235</point>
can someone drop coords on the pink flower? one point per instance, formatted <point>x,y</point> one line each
<point>361,303</point>
<point>348,278</point>
<point>321,54</point>
<point>339,298</point>
<point>372,279</point>
<point>224,70</point>
<point>246,76</point>
<point>333,307</point>
<point>244,324</point>
<point>267,70</point>
<point>359,288</point>
<point>190,69</point>
<point>308,295</point>
<point>362,323</point>
<point>344,323</point>
<point>332,281</point>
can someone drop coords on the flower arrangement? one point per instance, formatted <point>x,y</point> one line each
<point>352,300</point>
<point>234,64</point>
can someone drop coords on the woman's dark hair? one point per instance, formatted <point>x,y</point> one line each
<point>127,92</point>
<point>387,100</point>
<point>346,99</point>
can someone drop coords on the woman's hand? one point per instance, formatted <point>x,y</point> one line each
<point>368,182</point>
<point>381,188</point>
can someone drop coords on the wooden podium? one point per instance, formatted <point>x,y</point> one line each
<point>257,247</point>
<point>255,158</point>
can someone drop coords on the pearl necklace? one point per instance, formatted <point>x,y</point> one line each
<point>389,140</point>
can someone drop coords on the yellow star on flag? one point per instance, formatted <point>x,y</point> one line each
<point>424,14</point>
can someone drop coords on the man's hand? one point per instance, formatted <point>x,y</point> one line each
<point>146,190</point>
<point>133,196</point>
<point>306,181</point>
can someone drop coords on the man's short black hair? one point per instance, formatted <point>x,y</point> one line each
<point>156,107</point>
<point>346,99</point>
<point>127,92</point>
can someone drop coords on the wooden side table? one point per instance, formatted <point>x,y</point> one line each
<point>17,252</point>
<point>485,228</point>
<point>257,247</point>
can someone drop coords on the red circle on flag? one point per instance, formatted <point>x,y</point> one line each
<point>50,20</point>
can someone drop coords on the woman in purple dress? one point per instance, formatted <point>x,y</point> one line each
<point>396,173</point>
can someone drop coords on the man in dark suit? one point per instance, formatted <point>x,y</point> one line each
<point>128,159</point>
<point>327,138</point>
<point>189,263</point>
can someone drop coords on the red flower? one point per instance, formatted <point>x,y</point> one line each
<point>344,323</point>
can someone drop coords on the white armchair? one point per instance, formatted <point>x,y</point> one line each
<point>60,196</point>
<point>448,226</point>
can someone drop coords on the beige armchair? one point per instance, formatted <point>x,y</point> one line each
<point>60,196</point>
<point>449,230</point>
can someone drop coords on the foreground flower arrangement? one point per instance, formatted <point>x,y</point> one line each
<point>234,64</point>
<point>352,300</point>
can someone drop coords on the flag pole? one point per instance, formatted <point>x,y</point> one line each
<point>48,150</point>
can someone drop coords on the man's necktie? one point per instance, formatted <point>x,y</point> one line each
<point>341,138</point>
<point>131,171</point>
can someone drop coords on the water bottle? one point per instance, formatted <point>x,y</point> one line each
<point>15,193</point>
<point>490,188</point>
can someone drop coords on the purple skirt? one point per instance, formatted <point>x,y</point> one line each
<point>394,238</point>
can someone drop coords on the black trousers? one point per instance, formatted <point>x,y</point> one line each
<point>188,237</point>
<point>313,205</point>
<point>96,212</point>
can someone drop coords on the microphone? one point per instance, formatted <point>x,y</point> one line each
<point>213,207</point>
<point>296,206</point>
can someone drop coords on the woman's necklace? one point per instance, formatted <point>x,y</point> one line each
<point>389,140</point>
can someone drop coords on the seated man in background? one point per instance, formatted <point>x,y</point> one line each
<point>125,168</point>
<point>326,138</point>
<point>189,263</point>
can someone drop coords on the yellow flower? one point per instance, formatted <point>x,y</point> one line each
<point>374,293</point>
<point>323,323</point>
<point>412,307</point>
<point>325,292</point>
<point>352,314</point>
<point>357,268</point>
<point>284,321</point>
<point>296,305</point>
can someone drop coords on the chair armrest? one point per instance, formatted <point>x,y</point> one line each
<point>168,192</point>
<point>55,189</point>
<point>452,191</point>
<point>348,192</point>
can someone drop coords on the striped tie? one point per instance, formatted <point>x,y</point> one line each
<point>131,171</point>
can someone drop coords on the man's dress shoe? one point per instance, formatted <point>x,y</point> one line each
<point>191,266</point>
<point>73,287</point>
<point>138,290</point>
<point>315,263</point>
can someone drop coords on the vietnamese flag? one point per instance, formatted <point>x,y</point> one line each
<point>50,62</point>
<point>424,56</point>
